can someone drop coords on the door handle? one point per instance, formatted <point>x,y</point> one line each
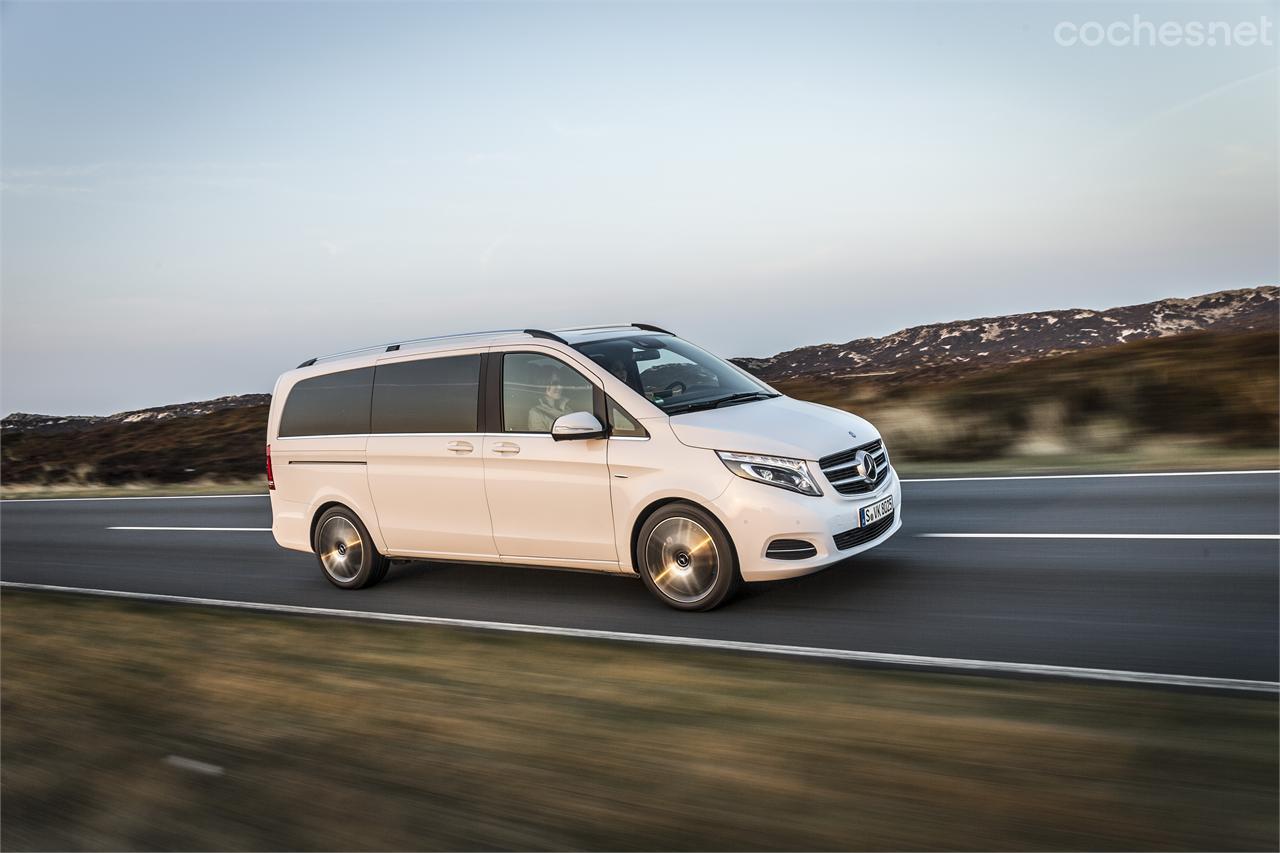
<point>506,447</point>
<point>460,446</point>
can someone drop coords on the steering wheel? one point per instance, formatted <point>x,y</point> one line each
<point>676,387</point>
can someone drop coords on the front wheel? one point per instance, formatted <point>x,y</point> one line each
<point>346,552</point>
<point>686,559</point>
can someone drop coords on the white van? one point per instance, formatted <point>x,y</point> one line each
<point>615,449</point>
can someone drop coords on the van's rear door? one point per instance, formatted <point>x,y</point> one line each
<point>425,464</point>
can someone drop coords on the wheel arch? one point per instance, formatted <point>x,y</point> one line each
<point>321,510</point>
<point>657,504</point>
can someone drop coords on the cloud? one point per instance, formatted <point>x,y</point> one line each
<point>65,179</point>
<point>486,258</point>
<point>1148,122</point>
<point>56,172</point>
<point>481,157</point>
<point>1213,93</point>
<point>35,188</point>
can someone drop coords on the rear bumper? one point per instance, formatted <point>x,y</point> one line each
<point>290,524</point>
<point>756,515</point>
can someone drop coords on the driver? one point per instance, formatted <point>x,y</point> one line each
<point>550,406</point>
<point>617,365</point>
<point>619,371</point>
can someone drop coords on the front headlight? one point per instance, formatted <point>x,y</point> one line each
<point>791,474</point>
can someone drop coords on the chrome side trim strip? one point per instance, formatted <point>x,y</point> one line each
<point>327,462</point>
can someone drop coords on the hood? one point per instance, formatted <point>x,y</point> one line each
<point>777,427</point>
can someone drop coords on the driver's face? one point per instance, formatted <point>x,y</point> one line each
<point>554,390</point>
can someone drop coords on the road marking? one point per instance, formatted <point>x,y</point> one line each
<point>881,658</point>
<point>1089,476</point>
<point>1097,536</point>
<point>202,529</point>
<point>126,498</point>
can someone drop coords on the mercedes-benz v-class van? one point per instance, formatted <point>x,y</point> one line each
<point>617,449</point>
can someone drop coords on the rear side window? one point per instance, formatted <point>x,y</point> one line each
<point>333,404</point>
<point>429,395</point>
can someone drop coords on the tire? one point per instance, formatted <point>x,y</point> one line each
<point>346,552</point>
<point>686,559</point>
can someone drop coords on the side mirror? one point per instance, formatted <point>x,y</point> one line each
<point>577,425</point>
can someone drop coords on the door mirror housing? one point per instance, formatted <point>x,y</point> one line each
<point>577,425</point>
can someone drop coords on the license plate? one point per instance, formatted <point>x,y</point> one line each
<point>875,512</point>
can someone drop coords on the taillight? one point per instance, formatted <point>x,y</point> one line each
<point>271,480</point>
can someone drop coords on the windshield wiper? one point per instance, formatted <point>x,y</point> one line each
<point>744,397</point>
<point>721,401</point>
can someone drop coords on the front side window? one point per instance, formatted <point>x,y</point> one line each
<point>332,404</point>
<point>537,389</point>
<point>431,395</point>
<point>673,374</point>
<point>623,425</point>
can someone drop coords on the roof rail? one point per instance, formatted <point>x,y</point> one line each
<point>642,326</point>
<point>399,344</point>
<point>648,328</point>
<point>550,336</point>
<point>535,333</point>
<point>392,347</point>
<point>595,328</point>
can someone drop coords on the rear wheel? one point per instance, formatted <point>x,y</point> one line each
<point>686,559</point>
<point>346,552</point>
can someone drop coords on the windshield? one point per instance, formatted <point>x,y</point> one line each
<point>673,374</point>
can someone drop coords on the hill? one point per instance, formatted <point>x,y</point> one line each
<point>1025,386</point>
<point>947,350</point>
<point>226,443</point>
<point>25,422</point>
<point>1206,392</point>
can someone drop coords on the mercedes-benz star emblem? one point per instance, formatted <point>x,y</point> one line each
<point>865,464</point>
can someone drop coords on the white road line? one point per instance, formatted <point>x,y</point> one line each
<point>895,660</point>
<point>126,498</point>
<point>1097,536</point>
<point>1089,476</point>
<point>202,529</point>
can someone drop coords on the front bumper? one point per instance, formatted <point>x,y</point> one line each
<point>757,514</point>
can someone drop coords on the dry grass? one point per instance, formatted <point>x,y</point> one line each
<point>27,491</point>
<point>1203,393</point>
<point>227,446</point>
<point>344,735</point>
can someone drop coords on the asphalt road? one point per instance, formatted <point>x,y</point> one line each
<point>1200,607</point>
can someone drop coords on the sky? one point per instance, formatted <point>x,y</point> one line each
<point>199,196</point>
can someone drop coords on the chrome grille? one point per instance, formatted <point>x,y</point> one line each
<point>863,535</point>
<point>843,476</point>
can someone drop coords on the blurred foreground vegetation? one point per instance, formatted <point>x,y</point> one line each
<point>223,446</point>
<point>1196,401</point>
<point>1141,401</point>
<point>318,733</point>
